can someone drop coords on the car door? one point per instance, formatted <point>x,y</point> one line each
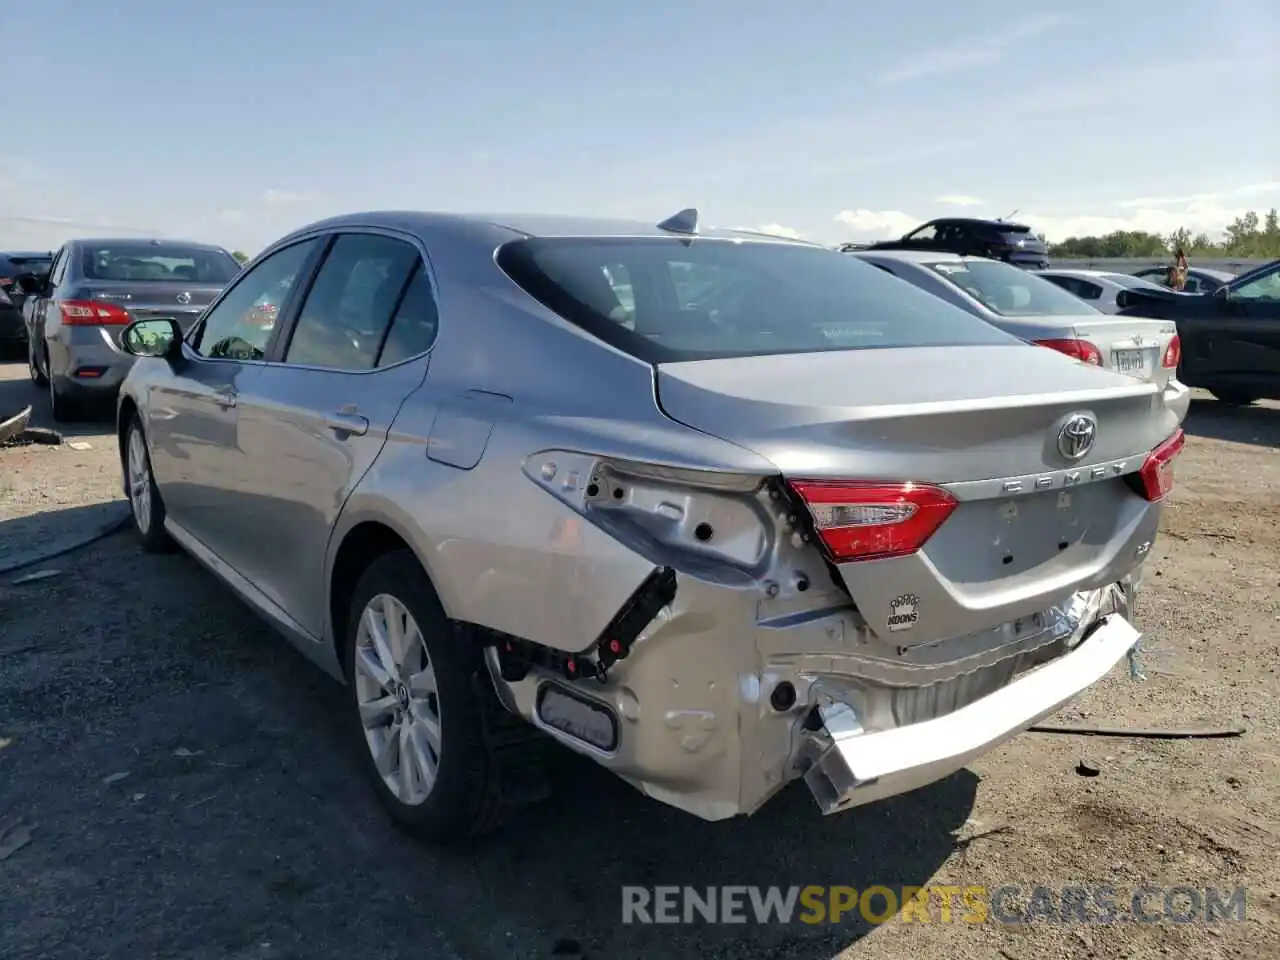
<point>315,421</point>
<point>197,458</point>
<point>1237,343</point>
<point>37,312</point>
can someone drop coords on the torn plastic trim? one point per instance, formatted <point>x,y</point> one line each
<point>854,767</point>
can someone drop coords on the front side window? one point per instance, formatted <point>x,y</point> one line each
<point>143,262</point>
<point>1009,290</point>
<point>240,325</point>
<point>351,304</point>
<point>926,234</point>
<point>1263,287</point>
<point>711,298</point>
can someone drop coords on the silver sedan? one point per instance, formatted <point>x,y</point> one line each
<point>716,510</point>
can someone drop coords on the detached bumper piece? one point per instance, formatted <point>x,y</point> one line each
<point>859,767</point>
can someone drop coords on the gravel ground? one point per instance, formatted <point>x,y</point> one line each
<point>189,791</point>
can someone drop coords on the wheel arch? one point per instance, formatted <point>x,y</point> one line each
<point>125,414</point>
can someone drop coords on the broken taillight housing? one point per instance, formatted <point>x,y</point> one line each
<point>866,520</point>
<point>1155,479</point>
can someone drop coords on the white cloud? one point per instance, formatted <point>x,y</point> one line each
<point>778,230</point>
<point>967,53</point>
<point>1208,212</point>
<point>876,224</point>
<point>959,200</point>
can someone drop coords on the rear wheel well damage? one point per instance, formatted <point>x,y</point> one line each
<point>363,544</point>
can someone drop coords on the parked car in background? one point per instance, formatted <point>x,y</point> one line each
<point>1099,288</point>
<point>1199,279</point>
<point>94,289</point>
<point>1231,337</point>
<point>13,333</point>
<point>670,529</point>
<point>996,239</point>
<point>1033,309</point>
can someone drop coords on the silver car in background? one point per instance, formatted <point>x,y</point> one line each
<point>1033,309</point>
<point>93,290</point>
<point>1101,289</point>
<point>718,511</point>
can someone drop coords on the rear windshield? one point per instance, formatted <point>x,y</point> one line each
<point>1010,291</point>
<point>666,300</point>
<point>16,264</point>
<point>144,262</point>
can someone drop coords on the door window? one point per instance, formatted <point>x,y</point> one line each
<point>1265,287</point>
<point>350,306</point>
<point>59,269</point>
<point>414,328</point>
<point>240,326</point>
<point>926,234</point>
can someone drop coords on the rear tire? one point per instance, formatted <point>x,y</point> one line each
<point>144,496</point>
<point>1233,398</point>
<point>63,408</point>
<point>426,694</point>
<point>33,367</point>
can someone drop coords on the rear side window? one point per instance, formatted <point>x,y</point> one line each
<point>414,328</point>
<point>671,299</point>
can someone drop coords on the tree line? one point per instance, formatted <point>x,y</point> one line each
<point>1246,236</point>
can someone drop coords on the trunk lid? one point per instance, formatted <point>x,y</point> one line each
<point>155,298</point>
<point>1131,346</point>
<point>1030,528</point>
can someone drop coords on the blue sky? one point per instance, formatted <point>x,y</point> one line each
<point>236,121</point>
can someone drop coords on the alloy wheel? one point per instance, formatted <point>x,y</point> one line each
<point>395,688</point>
<point>139,481</point>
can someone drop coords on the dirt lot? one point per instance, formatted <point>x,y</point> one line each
<point>190,791</point>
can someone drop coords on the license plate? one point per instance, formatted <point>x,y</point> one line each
<point>1129,361</point>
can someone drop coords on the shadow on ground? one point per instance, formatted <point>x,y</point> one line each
<point>18,393</point>
<point>196,790</point>
<point>25,540</point>
<point>1254,424</point>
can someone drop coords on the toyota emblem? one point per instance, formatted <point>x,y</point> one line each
<point>184,298</point>
<point>1076,437</point>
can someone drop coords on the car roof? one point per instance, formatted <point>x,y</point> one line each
<point>916,256</point>
<point>159,243</point>
<point>1069,272</point>
<point>511,226</point>
<point>982,222</point>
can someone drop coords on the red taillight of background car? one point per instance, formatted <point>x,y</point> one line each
<point>1172,353</point>
<point>1155,479</point>
<point>1081,350</point>
<point>866,520</point>
<point>92,313</point>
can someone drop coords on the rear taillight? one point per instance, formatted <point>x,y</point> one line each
<point>1172,353</point>
<point>861,520</point>
<point>1155,479</point>
<point>1081,350</point>
<point>92,313</point>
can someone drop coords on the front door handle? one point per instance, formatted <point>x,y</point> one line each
<point>226,399</point>
<point>347,424</point>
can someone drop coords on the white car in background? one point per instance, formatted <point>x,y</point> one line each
<point>1099,288</point>
<point>1033,309</point>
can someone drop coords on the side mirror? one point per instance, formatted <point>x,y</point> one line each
<point>31,284</point>
<point>157,337</point>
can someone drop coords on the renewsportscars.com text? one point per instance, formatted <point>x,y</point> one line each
<point>1008,904</point>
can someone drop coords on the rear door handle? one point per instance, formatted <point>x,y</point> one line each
<point>350,424</point>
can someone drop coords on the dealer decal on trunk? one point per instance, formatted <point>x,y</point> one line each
<point>904,611</point>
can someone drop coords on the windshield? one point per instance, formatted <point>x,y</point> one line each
<point>1010,291</point>
<point>149,262</point>
<point>665,300</point>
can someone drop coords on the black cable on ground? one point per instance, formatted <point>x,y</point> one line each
<point>100,534</point>
<point>1146,733</point>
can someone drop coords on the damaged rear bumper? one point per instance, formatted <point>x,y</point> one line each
<point>854,767</point>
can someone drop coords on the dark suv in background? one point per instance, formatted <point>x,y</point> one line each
<point>13,332</point>
<point>995,239</point>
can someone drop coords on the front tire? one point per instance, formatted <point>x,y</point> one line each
<point>1233,398</point>
<point>144,496</point>
<point>416,689</point>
